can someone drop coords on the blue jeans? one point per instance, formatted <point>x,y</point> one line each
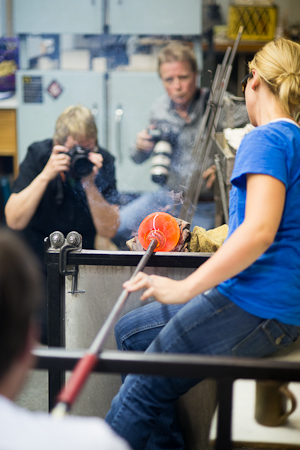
<point>133,213</point>
<point>210,324</point>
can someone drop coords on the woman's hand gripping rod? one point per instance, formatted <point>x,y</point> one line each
<point>85,366</point>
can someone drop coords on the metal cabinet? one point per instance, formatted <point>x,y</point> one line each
<point>167,17</point>
<point>122,102</point>
<point>131,95</point>
<point>43,95</point>
<point>58,16</point>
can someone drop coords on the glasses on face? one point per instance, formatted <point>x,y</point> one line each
<point>245,81</point>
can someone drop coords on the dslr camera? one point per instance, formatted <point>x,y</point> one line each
<point>80,166</point>
<point>165,139</point>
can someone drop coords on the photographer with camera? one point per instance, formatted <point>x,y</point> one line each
<point>174,122</point>
<point>66,183</point>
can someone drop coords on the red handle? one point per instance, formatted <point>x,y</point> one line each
<point>78,378</point>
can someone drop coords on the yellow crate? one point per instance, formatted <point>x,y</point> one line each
<point>259,22</point>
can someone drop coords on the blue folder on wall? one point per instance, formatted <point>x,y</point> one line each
<point>5,188</point>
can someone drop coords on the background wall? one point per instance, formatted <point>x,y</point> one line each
<point>2,18</point>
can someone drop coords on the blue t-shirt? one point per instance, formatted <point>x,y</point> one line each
<point>270,287</point>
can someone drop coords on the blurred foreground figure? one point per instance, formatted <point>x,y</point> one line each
<point>20,294</point>
<point>244,300</point>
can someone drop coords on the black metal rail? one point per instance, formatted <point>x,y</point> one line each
<point>174,364</point>
<point>124,258</point>
<point>224,369</point>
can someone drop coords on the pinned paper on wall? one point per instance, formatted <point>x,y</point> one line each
<point>54,89</point>
<point>32,89</point>
<point>9,63</point>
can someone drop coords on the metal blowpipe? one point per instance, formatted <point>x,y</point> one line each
<point>157,232</point>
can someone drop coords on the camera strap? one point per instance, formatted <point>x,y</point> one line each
<point>59,196</point>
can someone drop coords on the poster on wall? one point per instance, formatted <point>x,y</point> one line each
<point>9,63</point>
<point>32,89</point>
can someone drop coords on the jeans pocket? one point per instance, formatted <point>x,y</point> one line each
<point>267,338</point>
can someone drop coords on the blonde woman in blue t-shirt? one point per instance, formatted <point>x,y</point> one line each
<point>244,300</point>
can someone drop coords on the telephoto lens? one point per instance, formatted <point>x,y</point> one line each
<point>161,161</point>
<point>81,166</point>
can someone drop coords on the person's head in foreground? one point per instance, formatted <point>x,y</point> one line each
<point>20,294</point>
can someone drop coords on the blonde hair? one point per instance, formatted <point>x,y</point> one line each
<point>177,52</point>
<point>278,65</point>
<point>76,121</point>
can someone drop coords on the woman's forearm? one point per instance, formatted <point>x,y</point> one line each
<point>263,212</point>
<point>234,256</point>
<point>21,207</point>
<point>105,216</point>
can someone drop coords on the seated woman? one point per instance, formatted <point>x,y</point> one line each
<point>244,300</point>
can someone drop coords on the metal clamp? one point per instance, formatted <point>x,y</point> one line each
<point>71,243</point>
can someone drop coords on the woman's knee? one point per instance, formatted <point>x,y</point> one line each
<point>138,328</point>
<point>129,329</point>
<point>121,330</point>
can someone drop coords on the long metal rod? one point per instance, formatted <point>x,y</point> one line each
<point>203,164</point>
<point>86,365</point>
<point>100,339</point>
<point>215,119</point>
<point>196,182</point>
<point>204,135</point>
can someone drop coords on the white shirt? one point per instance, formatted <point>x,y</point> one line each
<point>26,430</point>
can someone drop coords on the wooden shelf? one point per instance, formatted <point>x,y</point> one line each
<point>8,137</point>
<point>245,51</point>
<point>220,46</point>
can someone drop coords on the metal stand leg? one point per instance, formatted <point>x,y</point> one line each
<point>55,303</point>
<point>224,414</point>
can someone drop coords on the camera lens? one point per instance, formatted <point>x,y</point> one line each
<point>82,166</point>
<point>161,162</point>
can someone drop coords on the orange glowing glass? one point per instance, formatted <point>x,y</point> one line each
<point>160,226</point>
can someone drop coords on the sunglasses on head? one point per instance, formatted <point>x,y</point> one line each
<point>245,81</point>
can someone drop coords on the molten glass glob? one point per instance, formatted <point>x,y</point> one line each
<point>160,226</point>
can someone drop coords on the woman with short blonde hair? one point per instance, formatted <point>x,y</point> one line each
<point>177,52</point>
